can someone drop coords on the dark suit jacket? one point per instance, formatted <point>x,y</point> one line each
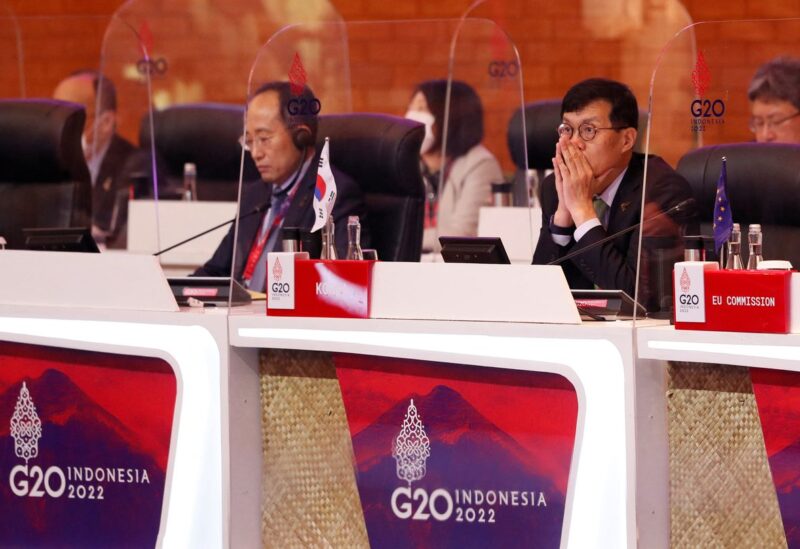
<point>613,265</point>
<point>110,180</point>
<point>349,201</point>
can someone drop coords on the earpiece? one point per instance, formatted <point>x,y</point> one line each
<point>301,137</point>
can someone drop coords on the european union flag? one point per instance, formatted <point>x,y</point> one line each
<point>723,219</point>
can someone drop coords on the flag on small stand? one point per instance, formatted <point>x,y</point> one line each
<point>325,190</point>
<point>723,218</point>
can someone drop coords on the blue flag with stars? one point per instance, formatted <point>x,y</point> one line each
<point>723,219</point>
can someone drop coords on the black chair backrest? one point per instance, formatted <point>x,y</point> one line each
<point>541,124</point>
<point>44,180</point>
<point>381,153</point>
<point>763,187</point>
<point>205,134</point>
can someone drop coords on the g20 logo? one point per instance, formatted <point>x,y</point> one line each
<point>280,287</point>
<point>304,107</point>
<point>152,67</point>
<point>706,108</point>
<point>439,504</point>
<point>689,299</point>
<point>29,482</point>
<point>503,69</point>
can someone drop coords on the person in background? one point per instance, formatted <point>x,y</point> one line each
<point>106,152</point>
<point>469,169</point>
<point>283,147</point>
<point>774,95</point>
<point>596,190</point>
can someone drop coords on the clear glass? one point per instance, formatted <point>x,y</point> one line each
<point>734,259</point>
<point>189,181</point>
<point>699,112</point>
<point>754,241</point>
<point>354,239</point>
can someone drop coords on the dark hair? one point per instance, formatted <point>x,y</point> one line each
<point>777,79</point>
<point>285,94</point>
<point>105,94</point>
<point>624,109</point>
<point>465,129</point>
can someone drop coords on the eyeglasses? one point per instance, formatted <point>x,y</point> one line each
<point>586,131</point>
<point>757,123</point>
<point>248,144</point>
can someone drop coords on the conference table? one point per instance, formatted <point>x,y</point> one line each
<point>133,421</point>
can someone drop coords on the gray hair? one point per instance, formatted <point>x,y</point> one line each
<point>777,79</point>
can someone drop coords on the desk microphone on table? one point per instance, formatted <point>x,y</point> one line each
<point>683,206</point>
<point>258,209</point>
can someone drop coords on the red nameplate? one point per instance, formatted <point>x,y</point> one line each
<point>745,301</point>
<point>330,289</point>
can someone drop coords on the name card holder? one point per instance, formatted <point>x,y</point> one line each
<point>737,301</point>
<point>327,289</point>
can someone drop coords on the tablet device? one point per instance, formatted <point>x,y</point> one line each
<point>473,249</point>
<point>208,289</point>
<point>607,304</point>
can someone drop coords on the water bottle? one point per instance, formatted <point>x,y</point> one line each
<point>754,239</point>
<point>189,181</point>
<point>354,238</point>
<point>734,262</point>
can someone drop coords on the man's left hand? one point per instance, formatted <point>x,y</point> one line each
<point>577,180</point>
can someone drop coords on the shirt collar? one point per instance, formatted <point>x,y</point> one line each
<point>611,191</point>
<point>97,159</point>
<point>293,179</point>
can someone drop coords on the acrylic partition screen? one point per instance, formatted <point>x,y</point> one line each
<point>200,55</point>
<point>366,77</point>
<point>559,45</point>
<point>482,186</point>
<point>45,58</point>
<point>720,90</point>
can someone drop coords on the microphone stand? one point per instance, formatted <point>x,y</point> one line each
<point>258,209</point>
<point>572,254</point>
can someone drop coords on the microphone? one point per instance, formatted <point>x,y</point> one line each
<point>683,207</point>
<point>258,209</point>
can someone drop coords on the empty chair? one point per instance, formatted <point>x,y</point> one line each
<point>381,153</point>
<point>763,187</point>
<point>44,180</point>
<point>206,135</point>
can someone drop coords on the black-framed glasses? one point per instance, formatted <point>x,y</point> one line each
<point>757,123</point>
<point>586,131</point>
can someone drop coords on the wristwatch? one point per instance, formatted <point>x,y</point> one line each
<point>560,231</point>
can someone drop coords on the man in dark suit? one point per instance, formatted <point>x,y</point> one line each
<point>596,190</point>
<point>105,151</point>
<point>282,145</point>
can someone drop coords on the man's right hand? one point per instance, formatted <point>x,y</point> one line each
<point>562,217</point>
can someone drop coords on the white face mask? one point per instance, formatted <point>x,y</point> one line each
<point>424,118</point>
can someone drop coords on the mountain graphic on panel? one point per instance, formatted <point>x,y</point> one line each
<point>785,466</point>
<point>469,453</point>
<point>77,435</point>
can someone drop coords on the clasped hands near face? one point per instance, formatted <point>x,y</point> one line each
<point>576,185</point>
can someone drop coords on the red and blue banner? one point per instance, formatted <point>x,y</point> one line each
<point>84,447</point>
<point>777,394</point>
<point>458,456</point>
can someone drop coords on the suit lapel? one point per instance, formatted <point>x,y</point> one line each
<point>300,213</point>
<point>626,202</point>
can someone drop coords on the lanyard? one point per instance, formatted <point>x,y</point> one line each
<point>258,245</point>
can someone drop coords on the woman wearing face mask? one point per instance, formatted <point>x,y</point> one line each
<point>469,169</point>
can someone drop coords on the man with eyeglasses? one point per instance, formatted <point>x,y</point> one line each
<point>596,189</point>
<point>283,147</point>
<point>774,95</point>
